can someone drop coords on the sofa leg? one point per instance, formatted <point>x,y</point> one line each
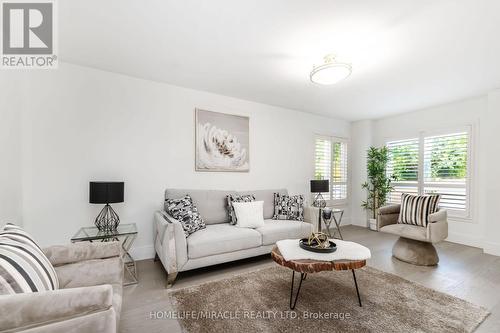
<point>171,279</point>
<point>156,257</point>
<point>415,252</point>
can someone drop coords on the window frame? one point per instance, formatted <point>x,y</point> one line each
<point>334,139</point>
<point>467,214</point>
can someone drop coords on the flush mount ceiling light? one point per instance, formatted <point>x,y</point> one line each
<point>330,72</point>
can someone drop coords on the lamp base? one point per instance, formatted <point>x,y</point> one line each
<point>107,220</point>
<point>319,201</point>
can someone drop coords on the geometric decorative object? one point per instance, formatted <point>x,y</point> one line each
<point>222,142</point>
<point>106,193</point>
<point>320,186</point>
<point>330,72</point>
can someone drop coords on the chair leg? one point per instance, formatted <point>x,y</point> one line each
<point>156,257</point>
<point>171,279</point>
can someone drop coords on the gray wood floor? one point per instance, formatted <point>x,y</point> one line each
<point>463,271</point>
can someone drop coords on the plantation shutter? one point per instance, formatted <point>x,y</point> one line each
<point>331,163</point>
<point>445,169</point>
<point>403,165</point>
<point>323,161</point>
<point>339,171</point>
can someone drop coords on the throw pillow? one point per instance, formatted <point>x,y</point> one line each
<point>185,211</point>
<point>415,209</point>
<point>288,207</point>
<point>24,268</point>
<point>249,214</point>
<point>236,198</point>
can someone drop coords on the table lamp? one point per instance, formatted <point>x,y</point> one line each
<point>319,186</point>
<point>106,193</point>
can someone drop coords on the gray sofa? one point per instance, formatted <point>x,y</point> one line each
<point>89,299</point>
<point>220,241</point>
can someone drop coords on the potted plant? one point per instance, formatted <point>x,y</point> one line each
<point>378,184</point>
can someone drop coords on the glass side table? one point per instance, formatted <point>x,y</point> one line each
<point>336,217</point>
<point>125,233</point>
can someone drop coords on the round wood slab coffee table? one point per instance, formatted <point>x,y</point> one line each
<point>306,266</point>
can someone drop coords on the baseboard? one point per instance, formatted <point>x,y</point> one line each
<point>465,239</point>
<point>491,248</point>
<point>143,252</point>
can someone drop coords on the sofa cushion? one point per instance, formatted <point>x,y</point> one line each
<point>407,231</point>
<point>274,230</point>
<point>211,204</point>
<point>268,197</point>
<point>415,209</point>
<point>24,268</point>
<point>186,212</point>
<point>288,207</point>
<point>221,238</point>
<point>249,214</point>
<point>236,198</point>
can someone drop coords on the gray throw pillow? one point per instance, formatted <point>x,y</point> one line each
<point>236,198</point>
<point>185,211</point>
<point>288,207</point>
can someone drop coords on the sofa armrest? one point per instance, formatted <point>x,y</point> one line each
<point>441,215</point>
<point>437,228</point>
<point>311,216</point>
<point>388,215</point>
<point>170,242</point>
<point>437,231</point>
<point>76,252</point>
<point>31,310</point>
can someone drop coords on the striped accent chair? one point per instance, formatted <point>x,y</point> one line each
<point>419,223</point>
<point>67,288</point>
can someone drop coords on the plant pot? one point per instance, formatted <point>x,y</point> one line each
<point>373,224</point>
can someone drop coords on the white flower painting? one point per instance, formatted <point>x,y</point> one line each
<point>222,142</point>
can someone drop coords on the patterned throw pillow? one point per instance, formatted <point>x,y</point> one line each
<point>185,211</point>
<point>415,209</point>
<point>24,268</point>
<point>236,198</point>
<point>288,207</point>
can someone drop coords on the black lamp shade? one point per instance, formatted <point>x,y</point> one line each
<point>319,186</point>
<point>106,192</point>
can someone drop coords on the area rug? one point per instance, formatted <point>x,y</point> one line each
<point>259,302</point>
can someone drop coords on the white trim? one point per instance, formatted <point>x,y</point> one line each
<point>465,239</point>
<point>491,248</point>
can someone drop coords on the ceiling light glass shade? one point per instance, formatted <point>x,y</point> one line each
<point>330,72</point>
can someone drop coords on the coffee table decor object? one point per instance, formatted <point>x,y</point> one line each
<point>318,242</point>
<point>349,256</point>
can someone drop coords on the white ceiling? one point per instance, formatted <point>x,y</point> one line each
<point>406,54</point>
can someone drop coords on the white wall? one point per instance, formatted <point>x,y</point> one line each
<point>490,186</point>
<point>483,114</point>
<point>82,124</point>
<point>10,149</point>
<point>361,140</point>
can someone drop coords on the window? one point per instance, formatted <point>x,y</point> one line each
<point>433,164</point>
<point>403,165</point>
<point>331,163</point>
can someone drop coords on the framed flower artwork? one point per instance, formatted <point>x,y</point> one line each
<point>222,142</point>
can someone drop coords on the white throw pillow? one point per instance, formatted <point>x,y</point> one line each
<point>249,214</point>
